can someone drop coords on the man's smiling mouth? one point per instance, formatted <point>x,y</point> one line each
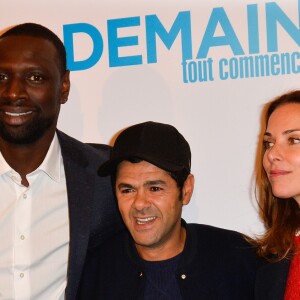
<point>141,221</point>
<point>12,114</point>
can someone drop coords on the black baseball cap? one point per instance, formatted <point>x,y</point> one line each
<point>159,144</point>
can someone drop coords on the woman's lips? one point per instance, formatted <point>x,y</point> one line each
<point>278,173</point>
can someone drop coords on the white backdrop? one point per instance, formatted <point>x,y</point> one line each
<point>124,84</point>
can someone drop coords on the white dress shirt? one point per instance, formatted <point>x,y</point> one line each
<point>34,230</point>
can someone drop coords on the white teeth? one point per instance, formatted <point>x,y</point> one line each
<point>18,114</point>
<point>144,220</point>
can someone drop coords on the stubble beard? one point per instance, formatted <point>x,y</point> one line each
<point>26,134</point>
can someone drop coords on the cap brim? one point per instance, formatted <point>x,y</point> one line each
<point>109,167</point>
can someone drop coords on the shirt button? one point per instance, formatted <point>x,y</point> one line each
<point>21,275</point>
<point>24,196</point>
<point>183,276</point>
<point>22,237</point>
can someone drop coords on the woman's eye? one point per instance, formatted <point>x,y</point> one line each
<point>267,144</point>
<point>294,140</point>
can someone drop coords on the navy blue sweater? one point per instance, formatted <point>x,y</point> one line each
<point>215,264</point>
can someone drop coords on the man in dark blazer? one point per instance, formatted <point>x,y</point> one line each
<point>92,208</point>
<point>160,256</point>
<point>54,206</point>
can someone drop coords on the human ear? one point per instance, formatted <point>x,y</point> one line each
<point>65,87</point>
<point>187,190</point>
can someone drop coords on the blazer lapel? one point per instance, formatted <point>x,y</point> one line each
<point>80,189</point>
<point>271,281</point>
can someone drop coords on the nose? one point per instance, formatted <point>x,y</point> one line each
<point>140,201</point>
<point>14,90</point>
<point>275,153</point>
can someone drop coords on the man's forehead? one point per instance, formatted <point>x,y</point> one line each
<point>29,50</point>
<point>141,170</point>
<point>24,42</point>
<point>139,165</point>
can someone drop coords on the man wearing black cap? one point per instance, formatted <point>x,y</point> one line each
<point>161,256</point>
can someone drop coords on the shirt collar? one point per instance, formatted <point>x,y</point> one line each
<point>51,165</point>
<point>53,160</point>
<point>4,166</point>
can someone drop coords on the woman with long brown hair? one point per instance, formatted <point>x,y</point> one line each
<point>278,187</point>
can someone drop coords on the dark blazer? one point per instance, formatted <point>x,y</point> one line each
<point>93,211</point>
<point>216,264</point>
<point>271,280</point>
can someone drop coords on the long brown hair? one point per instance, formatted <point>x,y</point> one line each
<point>281,217</point>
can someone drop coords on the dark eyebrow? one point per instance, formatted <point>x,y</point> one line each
<point>268,134</point>
<point>284,132</point>
<point>154,182</point>
<point>125,185</point>
<point>290,131</point>
<point>147,183</point>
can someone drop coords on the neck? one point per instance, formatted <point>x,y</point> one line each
<point>165,250</point>
<point>24,159</point>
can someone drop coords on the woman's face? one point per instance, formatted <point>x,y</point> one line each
<point>281,159</point>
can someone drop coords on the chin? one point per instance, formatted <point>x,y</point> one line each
<point>283,195</point>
